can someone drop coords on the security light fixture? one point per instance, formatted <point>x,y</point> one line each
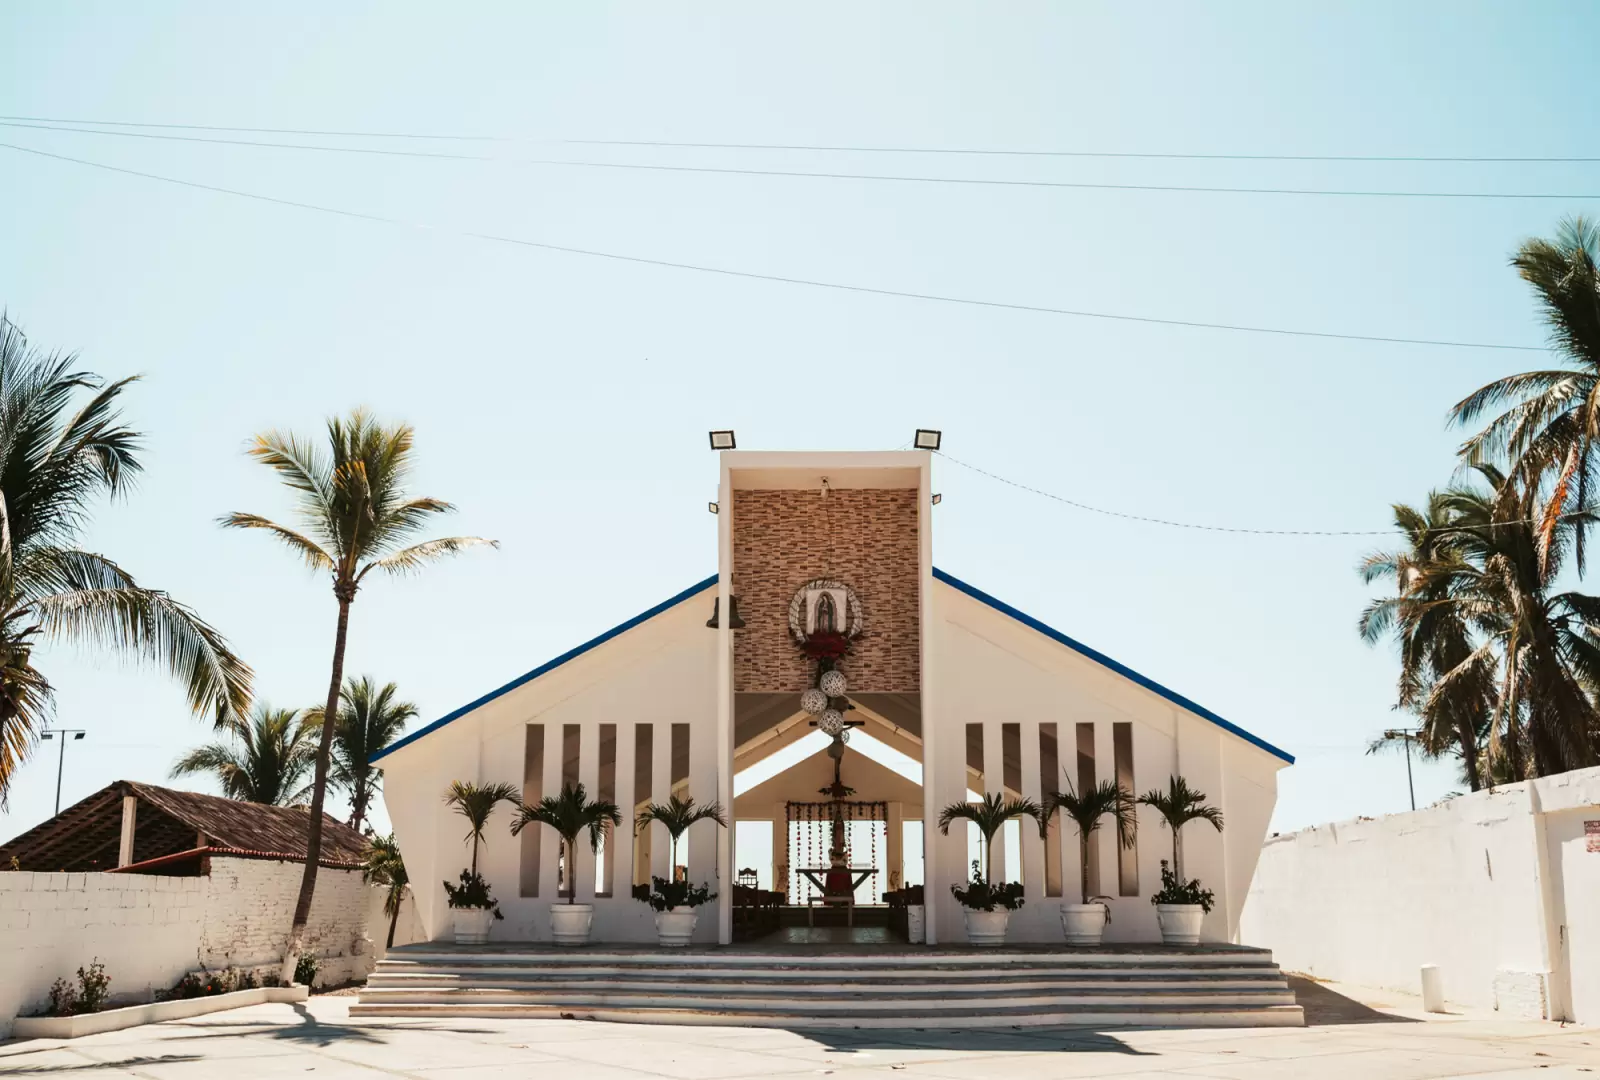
<point>937,498</point>
<point>722,440</point>
<point>927,439</point>
<point>61,763</point>
<point>713,507</point>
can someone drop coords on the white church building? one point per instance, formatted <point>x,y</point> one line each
<point>943,693</point>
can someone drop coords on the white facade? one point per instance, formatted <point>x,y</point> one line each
<point>1500,889</point>
<point>981,663</point>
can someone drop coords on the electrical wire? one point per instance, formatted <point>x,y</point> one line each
<point>830,149</point>
<point>961,181</point>
<point>813,283</point>
<point>1144,519</point>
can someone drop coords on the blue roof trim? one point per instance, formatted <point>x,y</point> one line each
<point>572,654</point>
<point>1101,658</point>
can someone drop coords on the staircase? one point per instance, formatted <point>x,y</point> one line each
<point>865,987</point>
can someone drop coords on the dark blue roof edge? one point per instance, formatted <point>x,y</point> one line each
<point>550,665</point>
<point>1101,658</point>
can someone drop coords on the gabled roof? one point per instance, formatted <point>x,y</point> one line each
<point>88,834</point>
<point>939,575</point>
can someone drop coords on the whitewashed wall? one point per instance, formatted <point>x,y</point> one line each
<point>1498,888</point>
<point>150,930</point>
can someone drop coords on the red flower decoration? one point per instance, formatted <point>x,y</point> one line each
<point>827,646</point>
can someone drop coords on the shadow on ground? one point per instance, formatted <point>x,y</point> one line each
<point>125,1064</point>
<point>1327,1008</point>
<point>1027,1040</point>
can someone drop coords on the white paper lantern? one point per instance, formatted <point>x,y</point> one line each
<point>831,722</point>
<point>834,683</point>
<point>814,701</point>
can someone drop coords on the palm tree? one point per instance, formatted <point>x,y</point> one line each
<point>990,817</point>
<point>1179,805</point>
<point>1106,799</point>
<point>677,815</point>
<point>369,719</point>
<point>1549,418</point>
<point>265,761</point>
<point>1433,633</point>
<point>63,445</point>
<point>384,867</point>
<point>476,802</point>
<point>357,518</point>
<point>570,814</point>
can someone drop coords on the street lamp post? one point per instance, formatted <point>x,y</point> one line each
<point>61,764</point>
<point>1408,734</point>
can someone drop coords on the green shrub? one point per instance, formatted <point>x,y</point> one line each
<point>94,986</point>
<point>1174,891</point>
<point>982,896</point>
<point>63,998</point>
<point>305,969</point>
<point>670,894</point>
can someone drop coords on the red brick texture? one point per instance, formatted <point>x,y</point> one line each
<point>865,537</point>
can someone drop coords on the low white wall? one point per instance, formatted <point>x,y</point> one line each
<point>149,931</point>
<point>1497,888</point>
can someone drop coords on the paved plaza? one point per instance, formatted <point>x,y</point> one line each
<point>1350,1034</point>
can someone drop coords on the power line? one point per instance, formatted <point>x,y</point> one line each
<point>1144,519</point>
<point>831,149</point>
<point>778,278</point>
<point>960,181</point>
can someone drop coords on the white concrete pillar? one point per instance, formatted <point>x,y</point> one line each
<point>660,792</point>
<point>621,861</point>
<point>583,860</point>
<point>130,810</point>
<point>1032,843</point>
<point>1104,842</point>
<point>994,775</point>
<point>722,771</point>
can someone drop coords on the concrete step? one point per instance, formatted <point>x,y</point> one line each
<point>760,999</point>
<point>1049,1016</point>
<point>828,989</point>
<point>862,960</point>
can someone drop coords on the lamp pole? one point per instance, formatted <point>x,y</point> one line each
<point>1408,734</point>
<point>61,763</point>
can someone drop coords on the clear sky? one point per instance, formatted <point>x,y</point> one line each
<point>562,401</point>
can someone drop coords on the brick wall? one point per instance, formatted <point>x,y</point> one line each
<point>865,537</point>
<point>150,930</point>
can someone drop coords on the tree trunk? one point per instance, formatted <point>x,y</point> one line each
<point>1177,854</point>
<point>319,789</point>
<point>988,859</point>
<point>358,806</point>
<point>1083,865</point>
<point>1468,740</point>
<point>394,919</point>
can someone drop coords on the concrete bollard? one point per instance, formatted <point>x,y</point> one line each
<point>1432,989</point>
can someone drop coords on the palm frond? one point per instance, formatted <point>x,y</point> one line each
<point>411,559</point>
<point>309,550</point>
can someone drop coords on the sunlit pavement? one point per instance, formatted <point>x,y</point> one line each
<point>1347,1037</point>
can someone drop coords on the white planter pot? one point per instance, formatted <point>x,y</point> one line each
<point>569,923</point>
<point>471,924</point>
<point>1180,923</point>
<point>915,914</point>
<point>1083,923</point>
<point>987,927</point>
<point>675,926</point>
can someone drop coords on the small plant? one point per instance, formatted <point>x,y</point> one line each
<point>93,987</point>
<point>63,999</point>
<point>674,894</point>
<point>473,892</point>
<point>980,895</point>
<point>305,969</point>
<point>1175,891</point>
<point>677,814</point>
<point>570,815</point>
<point>245,980</point>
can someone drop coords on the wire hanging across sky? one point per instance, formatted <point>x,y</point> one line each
<point>813,283</point>
<point>958,181</point>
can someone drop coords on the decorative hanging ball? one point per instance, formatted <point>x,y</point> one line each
<point>815,701</point>
<point>831,722</point>
<point>844,735</point>
<point>834,683</point>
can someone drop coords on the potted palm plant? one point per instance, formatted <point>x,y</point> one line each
<point>472,908</point>
<point>1181,905</point>
<point>1085,922</point>
<point>570,814</point>
<point>675,901</point>
<point>986,905</point>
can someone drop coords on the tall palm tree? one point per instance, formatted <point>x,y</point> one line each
<point>369,719</point>
<point>63,445</point>
<point>384,866</point>
<point>1433,633</point>
<point>990,816</point>
<point>677,814</point>
<point>1548,419</point>
<point>1105,799</point>
<point>1178,805</point>
<point>265,760</point>
<point>571,814</point>
<point>356,517</point>
<point>476,802</point>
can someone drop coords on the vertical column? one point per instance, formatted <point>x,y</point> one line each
<point>994,783</point>
<point>130,811</point>
<point>934,876</point>
<point>582,861</point>
<point>724,741</point>
<point>1032,845</point>
<point>1106,836</point>
<point>780,848</point>
<point>620,863</point>
<point>550,852</point>
<point>660,792</point>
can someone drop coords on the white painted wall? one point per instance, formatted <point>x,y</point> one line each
<point>1496,888</point>
<point>150,930</point>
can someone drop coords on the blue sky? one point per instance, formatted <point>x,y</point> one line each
<point>563,401</point>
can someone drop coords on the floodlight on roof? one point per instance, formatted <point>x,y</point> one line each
<point>722,440</point>
<point>937,498</point>
<point>927,439</point>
